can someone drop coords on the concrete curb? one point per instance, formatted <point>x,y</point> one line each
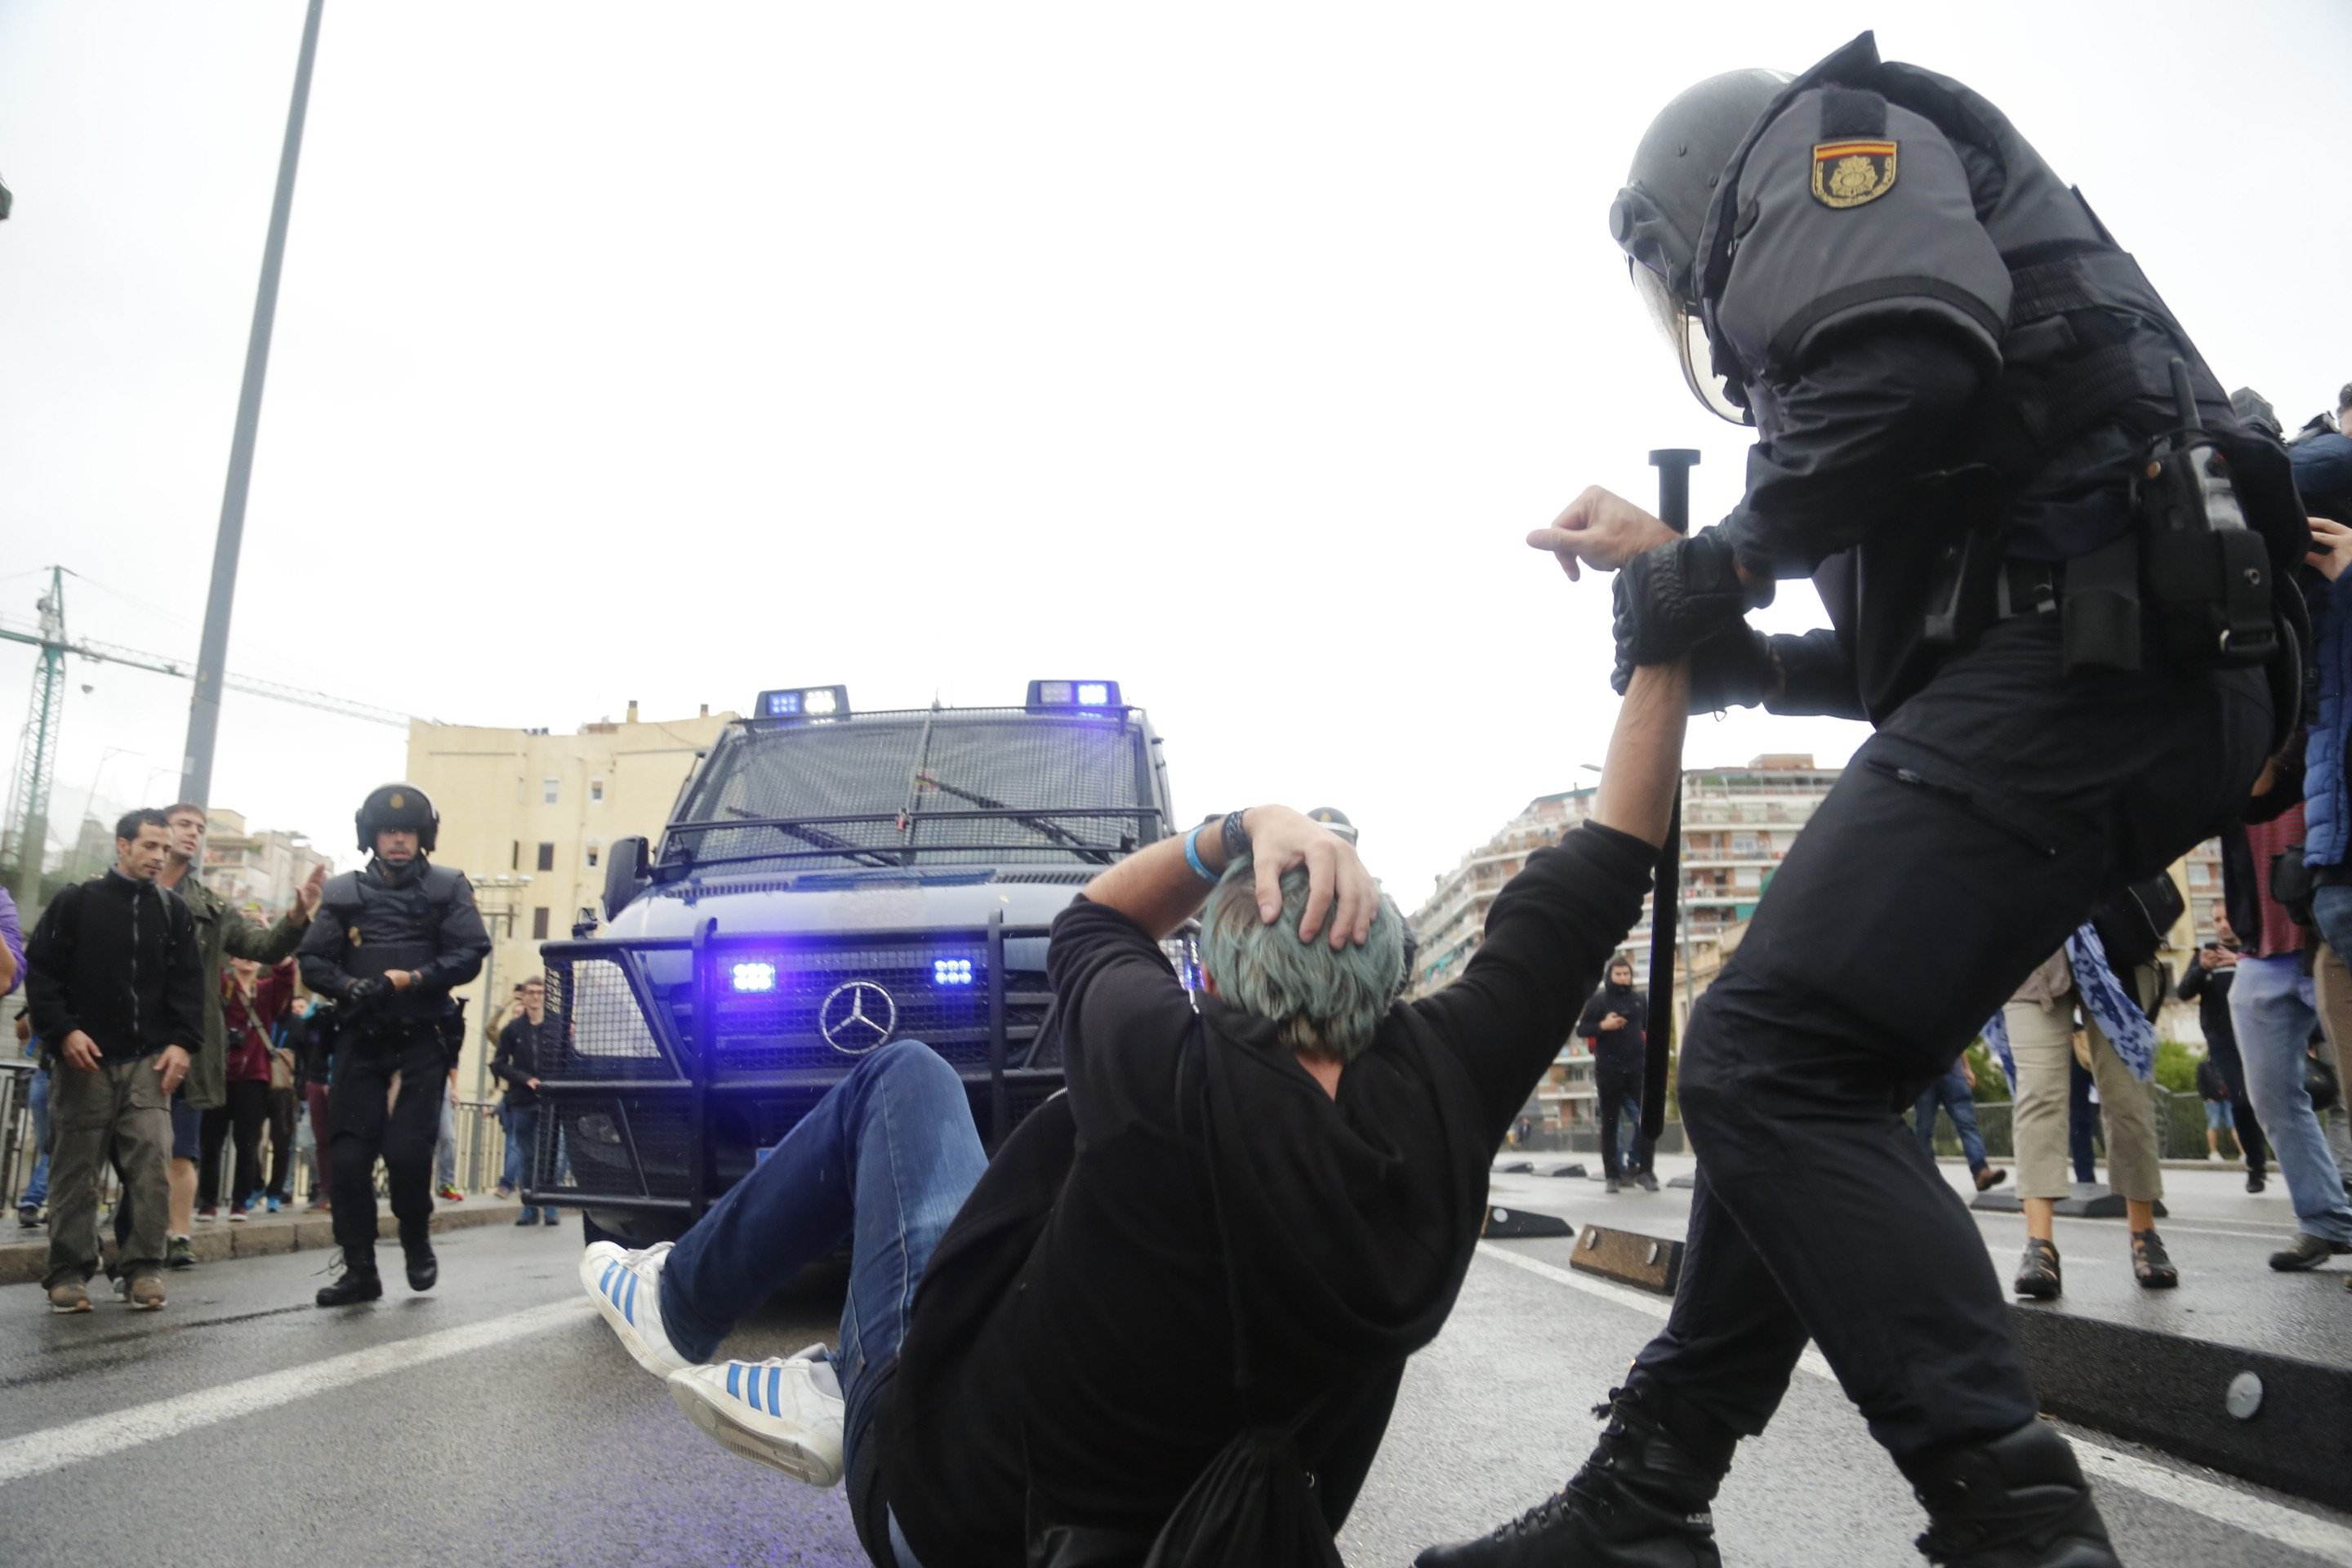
<point>23,1262</point>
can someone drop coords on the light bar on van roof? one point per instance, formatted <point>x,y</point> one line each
<point>1081,696</point>
<point>802,703</point>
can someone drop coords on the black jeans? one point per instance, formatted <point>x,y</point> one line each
<point>1963,842</point>
<point>241,1118</point>
<point>403,1134</point>
<point>2233,1068</point>
<point>1621,1089</point>
<point>281,1144</point>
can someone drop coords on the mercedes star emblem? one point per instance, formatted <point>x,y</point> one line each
<point>857,1016</point>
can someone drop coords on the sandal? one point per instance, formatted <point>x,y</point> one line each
<point>2150,1263</point>
<point>2037,1273</point>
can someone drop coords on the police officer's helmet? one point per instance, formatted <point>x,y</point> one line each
<point>397,805</point>
<point>1657,218</point>
<point>1332,818</point>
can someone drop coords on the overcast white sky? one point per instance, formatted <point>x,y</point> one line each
<point>1227,350</point>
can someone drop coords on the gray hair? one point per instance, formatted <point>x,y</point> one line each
<point>1321,1001</point>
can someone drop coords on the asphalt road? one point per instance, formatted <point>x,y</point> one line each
<point>495,1421</point>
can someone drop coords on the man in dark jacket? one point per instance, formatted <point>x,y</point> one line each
<point>1242,1216</point>
<point>1617,1021</point>
<point>117,984</point>
<point>2207,984</point>
<point>388,945</point>
<point>521,1047</point>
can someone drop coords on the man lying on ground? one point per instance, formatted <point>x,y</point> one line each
<point>1233,1218</point>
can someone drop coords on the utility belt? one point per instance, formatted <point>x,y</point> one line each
<point>388,1034</point>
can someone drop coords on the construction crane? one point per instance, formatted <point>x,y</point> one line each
<point>24,835</point>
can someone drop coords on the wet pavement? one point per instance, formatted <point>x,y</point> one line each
<point>496,1420</point>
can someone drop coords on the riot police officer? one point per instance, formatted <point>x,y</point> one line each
<point>388,944</point>
<point>1964,397</point>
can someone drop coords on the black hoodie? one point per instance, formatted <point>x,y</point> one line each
<point>1617,1049</point>
<point>1227,1243</point>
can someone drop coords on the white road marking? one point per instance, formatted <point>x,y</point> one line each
<point>2286,1527</point>
<point>38,1452</point>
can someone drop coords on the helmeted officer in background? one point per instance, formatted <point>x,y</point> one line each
<point>1960,388</point>
<point>388,944</point>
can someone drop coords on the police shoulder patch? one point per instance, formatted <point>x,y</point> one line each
<point>1852,173</point>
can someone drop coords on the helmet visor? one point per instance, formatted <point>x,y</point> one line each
<point>1686,335</point>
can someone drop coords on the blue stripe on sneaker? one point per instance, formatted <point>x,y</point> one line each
<point>605,1281</point>
<point>775,1374</point>
<point>752,1386</point>
<point>629,1307</point>
<point>735,1378</point>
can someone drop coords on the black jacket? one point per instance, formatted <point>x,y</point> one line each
<point>1970,316</point>
<point>2210,989</point>
<point>1215,1242</point>
<point>1616,1049</point>
<point>117,959</point>
<point>516,1061</point>
<point>372,922</point>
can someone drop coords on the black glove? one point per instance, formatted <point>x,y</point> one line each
<point>1670,599</point>
<point>365,994</point>
<point>1732,668</point>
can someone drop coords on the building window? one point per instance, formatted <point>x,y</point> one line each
<point>538,923</point>
<point>547,857</point>
<point>595,792</point>
<point>514,862</point>
<point>547,791</point>
<point>595,847</point>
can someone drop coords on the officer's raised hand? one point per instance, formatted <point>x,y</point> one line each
<point>1602,530</point>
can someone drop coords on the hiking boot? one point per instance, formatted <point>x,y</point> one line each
<point>1990,1176</point>
<point>146,1293</point>
<point>1647,1180</point>
<point>2017,1501</point>
<point>2308,1251</point>
<point>180,1252</point>
<point>2037,1271</point>
<point>1640,1501</point>
<point>352,1286</point>
<point>785,1413</point>
<point>2151,1265</point>
<point>69,1296</point>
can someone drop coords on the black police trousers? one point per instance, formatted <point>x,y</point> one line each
<point>369,1121</point>
<point>1960,846</point>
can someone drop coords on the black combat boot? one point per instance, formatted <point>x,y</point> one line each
<point>351,1286</point>
<point>416,1244</point>
<point>2017,1501</point>
<point>1640,1501</point>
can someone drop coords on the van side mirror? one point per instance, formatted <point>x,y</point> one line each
<point>628,867</point>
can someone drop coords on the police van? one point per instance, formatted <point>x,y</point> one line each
<point>830,881</point>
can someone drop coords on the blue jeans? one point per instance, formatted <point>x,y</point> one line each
<point>2273,1013</point>
<point>37,1189</point>
<point>1951,1093</point>
<point>884,1161</point>
<point>522,1133</point>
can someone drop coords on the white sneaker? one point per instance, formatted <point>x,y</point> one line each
<point>627,1287</point>
<point>785,1412</point>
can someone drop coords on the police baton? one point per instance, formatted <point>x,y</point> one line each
<point>1674,465</point>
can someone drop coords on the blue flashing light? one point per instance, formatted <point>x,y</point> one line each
<point>1073,696</point>
<point>755,977</point>
<point>952,972</point>
<point>802,703</point>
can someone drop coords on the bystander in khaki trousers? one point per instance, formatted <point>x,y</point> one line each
<point>117,1103</point>
<point>2041,1042</point>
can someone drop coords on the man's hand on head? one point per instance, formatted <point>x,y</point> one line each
<point>1338,886</point>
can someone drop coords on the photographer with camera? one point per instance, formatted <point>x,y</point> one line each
<point>390,943</point>
<point>2207,984</point>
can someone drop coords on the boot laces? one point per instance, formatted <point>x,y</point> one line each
<point>1594,1485</point>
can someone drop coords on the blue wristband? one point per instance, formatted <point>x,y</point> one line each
<point>1193,855</point>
